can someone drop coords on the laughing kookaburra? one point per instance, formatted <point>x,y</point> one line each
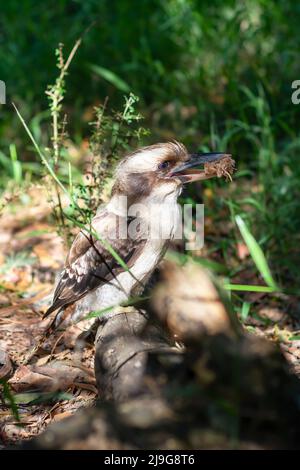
<point>137,225</point>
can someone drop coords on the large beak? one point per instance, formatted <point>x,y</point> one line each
<point>188,171</point>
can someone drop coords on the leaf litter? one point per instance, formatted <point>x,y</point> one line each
<point>60,378</point>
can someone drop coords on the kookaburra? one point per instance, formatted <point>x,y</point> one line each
<point>149,181</point>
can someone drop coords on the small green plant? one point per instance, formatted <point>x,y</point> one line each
<point>56,94</point>
<point>112,134</point>
<point>8,399</point>
<point>17,260</point>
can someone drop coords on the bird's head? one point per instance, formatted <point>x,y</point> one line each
<point>160,169</point>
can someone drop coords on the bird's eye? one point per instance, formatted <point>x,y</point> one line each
<point>163,165</point>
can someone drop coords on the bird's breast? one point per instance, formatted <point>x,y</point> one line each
<point>162,225</point>
<point>160,221</point>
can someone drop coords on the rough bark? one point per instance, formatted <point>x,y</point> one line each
<point>123,343</point>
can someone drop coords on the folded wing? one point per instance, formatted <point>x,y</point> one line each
<point>89,264</point>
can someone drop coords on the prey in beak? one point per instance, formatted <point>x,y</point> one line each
<point>214,164</point>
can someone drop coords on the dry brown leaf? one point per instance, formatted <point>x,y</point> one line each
<point>51,377</point>
<point>47,259</point>
<point>60,416</point>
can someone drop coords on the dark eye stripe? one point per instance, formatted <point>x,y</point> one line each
<point>163,165</point>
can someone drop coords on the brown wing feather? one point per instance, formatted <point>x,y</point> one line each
<point>89,264</point>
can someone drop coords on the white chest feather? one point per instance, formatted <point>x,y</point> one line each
<point>163,221</point>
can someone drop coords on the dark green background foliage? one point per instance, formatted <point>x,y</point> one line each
<point>188,53</point>
<point>215,74</point>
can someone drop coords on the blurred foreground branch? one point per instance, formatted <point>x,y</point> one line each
<point>217,387</point>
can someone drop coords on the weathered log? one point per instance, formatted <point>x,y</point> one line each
<point>123,343</point>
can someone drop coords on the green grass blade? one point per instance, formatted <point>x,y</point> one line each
<point>247,288</point>
<point>16,165</point>
<point>294,338</point>
<point>42,156</point>
<point>256,253</point>
<point>245,310</point>
<point>131,301</point>
<point>110,77</point>
<point>99,313</point>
